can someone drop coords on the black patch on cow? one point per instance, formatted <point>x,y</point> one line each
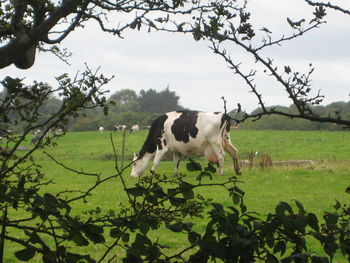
<point>153,138</point>
<point>164,142</point>
<point>185,126</point>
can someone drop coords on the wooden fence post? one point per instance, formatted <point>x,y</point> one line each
<point>123,149</point>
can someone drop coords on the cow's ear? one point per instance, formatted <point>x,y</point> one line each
<point>136,155</point>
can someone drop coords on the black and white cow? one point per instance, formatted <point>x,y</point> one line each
<point>188,133</point>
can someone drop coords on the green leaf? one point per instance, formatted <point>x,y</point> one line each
<point>280,247</point>
<point>50,201</point>
<point>25,254</point>
<point>218,206</point>
<point>287,69</point>
<point>337,205</point>
<point>317,259</point>
<point>282,207</point>
<point>204,174</point>
<point>21,183</point>
<point>313,221</point>
<point>320,12</point>
<point>94,233</point>
<point>33,237</point>
<point>136,191</point>
<point>49,257</point>
<point>78,239</point>
<point>186,190</point>
<point>177,200</point>
<point>126,237</point>
<point>185,186</point>
<point>300,206</point>
<point>237,190</point>
<point>144,227</point>
<point>193,237</point>
<point>179,226</point>
<point>141,241</point>
<point>172,192</point>
<point>158,191</point>
<point>115,232</point>
<point>271,259</point>
<point>331,219</point>
<point>236,198</point>
<point>300,223</point>
<point>210,168</point>
<point>3,188</point>
<point>347,190</point>
<point>193,166</point>
<point>197,34</point>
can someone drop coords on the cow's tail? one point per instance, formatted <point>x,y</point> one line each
<point>225,127</point>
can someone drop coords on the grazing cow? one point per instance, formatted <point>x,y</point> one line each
<point>56,132</point>
<point>101,129</point>
<point>135,128</point>
<point>35,140</point>
<point>188,133</point>
<point>37,133</point>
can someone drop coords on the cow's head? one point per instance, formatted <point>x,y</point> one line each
<point>139,165</point>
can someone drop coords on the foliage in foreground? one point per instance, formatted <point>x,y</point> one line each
<point>47,226</point>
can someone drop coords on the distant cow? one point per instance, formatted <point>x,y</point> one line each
<point>119,128</point>
<point>188,133</point>
<point>135,128</point>
<point>37,133</point>
<point>56,132</point>
<point>35,140</point>
<point>101,129</point>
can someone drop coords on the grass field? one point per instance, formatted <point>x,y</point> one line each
<point>316,186</point>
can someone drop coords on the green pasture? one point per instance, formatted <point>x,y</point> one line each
<point>319,184</point>
<point>315,186</point>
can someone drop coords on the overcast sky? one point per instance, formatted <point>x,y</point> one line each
<point>156,60</point>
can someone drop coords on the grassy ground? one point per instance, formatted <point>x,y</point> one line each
<point>316,186</point>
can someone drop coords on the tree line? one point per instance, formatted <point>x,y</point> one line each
<point>338,109</point>
<point>126,107</point>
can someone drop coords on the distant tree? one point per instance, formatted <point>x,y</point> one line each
<point>51,105</point>
<point>280,122</point>
<point>125,100</point>
<point>169,100</point>
<point>158,102</point>
<point>124,96</point>
<point>148,100</point>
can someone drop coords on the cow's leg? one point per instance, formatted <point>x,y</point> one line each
<point>157,158</point>
<point>234,153</point>
<point>220,154</point>
<point>176,158</point>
